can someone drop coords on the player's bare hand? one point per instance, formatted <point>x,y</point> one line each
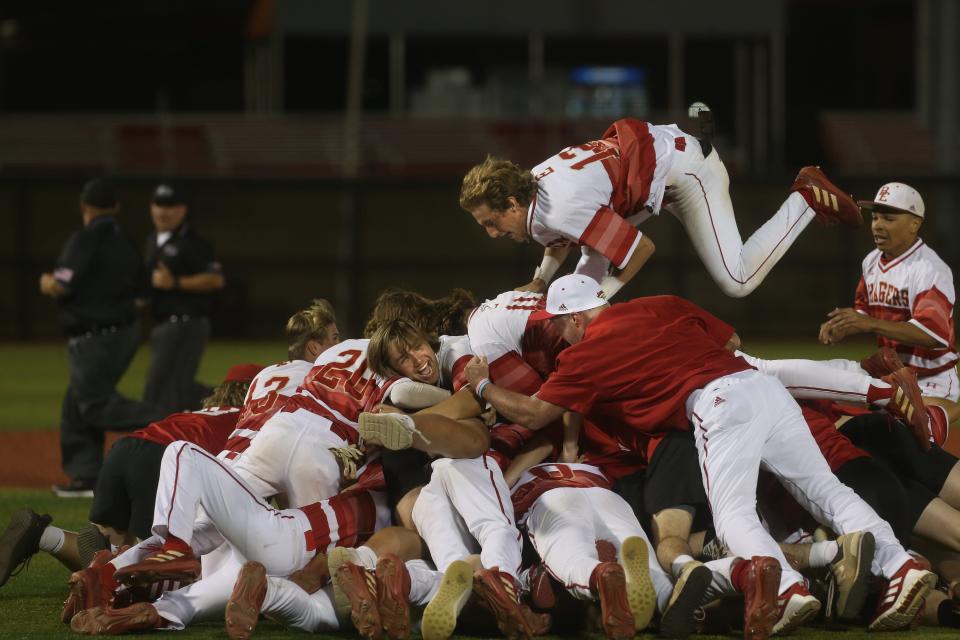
<point>47,282</point>
<point>826,336</point>
<point>536,286</point>
<point>476,370</point>
<point>847,321</point>
<point>162,278</point>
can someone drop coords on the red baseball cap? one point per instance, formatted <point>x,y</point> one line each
<point>243,372</point>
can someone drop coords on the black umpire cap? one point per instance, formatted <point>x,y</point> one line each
<point>168,194</point>
<point>99,193</point>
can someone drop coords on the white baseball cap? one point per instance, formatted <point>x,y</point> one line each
<point>570,294</point>
<point>895,197</point>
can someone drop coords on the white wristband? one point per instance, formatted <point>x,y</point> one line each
<point>611,285</point>
<point>547,268</point>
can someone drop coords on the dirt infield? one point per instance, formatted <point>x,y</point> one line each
<point>31,459</point>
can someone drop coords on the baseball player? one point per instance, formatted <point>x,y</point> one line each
<point>594,195</point>
<point>661,361</point>
<point>905,295</point>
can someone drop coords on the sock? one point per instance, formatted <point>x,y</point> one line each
<point>173,543</point>
<point>939,423</point>
<point>737,573</point>
<point>676,567</point>
<point>823,553</point>
<point>367,557</point>
<point>424,582</point>
<point>879,395</point>
<point>52,539</point>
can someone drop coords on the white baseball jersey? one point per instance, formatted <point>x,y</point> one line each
<point>268,392</point>
<point>521,353</point>
<point>585,192</point>
<point>339,387</point>
<point>453,355</point>
<point>916,287</point>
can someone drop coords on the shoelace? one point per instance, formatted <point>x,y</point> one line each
<point>348,456</point>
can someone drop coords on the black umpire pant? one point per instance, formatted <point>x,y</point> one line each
<point>176,344</point>
<point>91,405</point>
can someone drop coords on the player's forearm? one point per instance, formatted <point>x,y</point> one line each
<point>612,283</point>
<point>461,405</point>
<point>534,452</point>
<point>200,283</point>
<point>904,333</point>
<point>527,411</point>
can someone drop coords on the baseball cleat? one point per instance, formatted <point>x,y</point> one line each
<point>75,489</point>
<point>440,615</point>
<point>903,597</point>
<point>677,620</point>
<point>541,586</point>
<point>359,586</point>
<point>88,584</point>
<point>338,557</point>
<point>314,575</point>
<point>390,430</point>
<point>498,593</point>
<point>760,585</point>
<point>831,205</point>
<point>102,621</point>
<point>243,608</point>
<point>851,571</point>
<point>615,614</point>
<point>634,557</point>
<point>20,541</point>
<point>796,607</point>
<point>393,596</point>
<point>881,363</point>
<point>181,566</point>
<point>906,404</point>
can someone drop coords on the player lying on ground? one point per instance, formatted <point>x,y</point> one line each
<point>594,194</point>
<point>127,486</point>
<point>746,417</point>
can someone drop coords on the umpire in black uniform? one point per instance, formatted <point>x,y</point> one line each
<point>95,281</point>
<point>183,275</point>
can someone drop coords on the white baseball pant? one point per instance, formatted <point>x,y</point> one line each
<point>564,525</point>
<point>940,385</point>
<point>466,504</point>
<point>191,478</point>
<point>698,196</point>
<point>291,455</point>
<point>818,379</point>
<point>293,607</point>
<point>744,420</point>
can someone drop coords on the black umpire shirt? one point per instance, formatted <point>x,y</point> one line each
<point>185,253</point>
<point>101,272</point>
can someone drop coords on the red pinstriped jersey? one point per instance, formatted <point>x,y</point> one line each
<point>521,353</point>
<point>916,287</point>
<point>541,478</point>
<point>207,428</point>
<point>339,387</point>
<point>585,192</point>
<point>268,392</point>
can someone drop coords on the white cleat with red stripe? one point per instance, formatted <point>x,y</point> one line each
<point>797,607</point>
<point>903,597</point>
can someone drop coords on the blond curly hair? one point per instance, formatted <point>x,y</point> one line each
<point>308,324</point>
<point>493,181</point>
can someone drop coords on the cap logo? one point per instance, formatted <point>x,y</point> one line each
<point>883,193</point>
<point>602,294</point>
<point>164,191</point>
<point>562,307</point>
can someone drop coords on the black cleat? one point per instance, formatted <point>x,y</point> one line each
<point>20,541</point>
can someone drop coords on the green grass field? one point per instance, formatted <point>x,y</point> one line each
<point>31,386</point>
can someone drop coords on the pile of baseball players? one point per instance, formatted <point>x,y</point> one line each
<point>519,463</point>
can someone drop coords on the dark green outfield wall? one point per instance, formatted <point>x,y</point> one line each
<point>282,243</point>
